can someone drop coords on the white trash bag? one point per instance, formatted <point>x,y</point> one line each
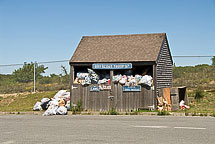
<point>59,94</point>
<point>52,110</point>
<point>43,100</point>
<point>68,105</point>
<point>37,106</point>
<point>146,79</point>
<point>53,102</point>
<point>61,111</point>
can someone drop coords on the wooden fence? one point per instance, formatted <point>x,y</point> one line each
<point>103,100</point>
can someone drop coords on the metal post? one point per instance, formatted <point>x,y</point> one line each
<point>34,78</point>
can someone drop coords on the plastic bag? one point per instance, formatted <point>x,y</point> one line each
<point>123,81</point>
<point>82,75</point>
<point>45,105</point>
<point>181,103</point>
<point>90,71</point>
<point>61,110</point>
<point>43,100</point>
<point>53,102</point>
<point>37,106</point>
<point>138,78</point>
<point>52,110</point>
<point>66,96</point>
<point>59,94</point>
<point>147,80</point>
<point>62,102</point>
<point>117,78</point>
<point>103,81</point>
<point>68,105</point>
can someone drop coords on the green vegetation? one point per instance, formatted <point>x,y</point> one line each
<point>199,79</point>
<point>22,80</point>
<point>110,112</point>
<point>213,61</point>
<point>113,112</point>
<point>23,101</point>
<point>26,73</point>
<point>162,113</point>
<point>195,76</point>
<point>198,94</point>
<point>77,109</point>
<point>204,105</point>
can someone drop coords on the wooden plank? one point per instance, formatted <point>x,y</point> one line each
<point>127,101</point>
<point>87,98</point>
<point>121,98</point>
<point>97,102</point>
<point>116,98</point>
<point>155,84</point>
<point>71,83</point>
<point>136,98</point>
<point>166,95</point>
<point>131,100</point>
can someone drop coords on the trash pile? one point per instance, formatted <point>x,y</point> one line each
<point>133,80</point>
<point>92,78</point>
<point>183,106</point>
<point>58,105</point>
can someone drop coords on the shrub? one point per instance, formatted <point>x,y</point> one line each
<point>198,94</point>
<point>103,113</point>
<point>78,108</point>
<point>113,112</point>
<point>194,114</point>
<point>161,113</point>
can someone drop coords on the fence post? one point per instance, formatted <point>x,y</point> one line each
<point>34,77</point>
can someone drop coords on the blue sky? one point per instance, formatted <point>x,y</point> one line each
<point>46,30</point>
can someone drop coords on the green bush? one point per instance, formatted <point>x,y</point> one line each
<point>113,112</point>
<point>161,113</point>
<point>194,114</point>
<point>103,113</point>
<point>77,109</point>
<point>199,94</point>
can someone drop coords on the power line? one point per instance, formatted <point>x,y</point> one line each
<point>53,61</point>
<point>193,56</point>
<point>45,62</point>
<point>59,61</point>
<point>11,65</point>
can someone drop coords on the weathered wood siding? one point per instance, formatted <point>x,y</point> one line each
<point>122,101</point>
<point>164,67</point>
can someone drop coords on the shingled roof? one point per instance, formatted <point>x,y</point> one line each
<point>118,48</point>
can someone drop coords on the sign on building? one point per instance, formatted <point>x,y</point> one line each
<point>94,89</point>
<point>131,88</point>
<point>112,66</point>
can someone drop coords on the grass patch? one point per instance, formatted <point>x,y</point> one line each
<point>77,109</point>
<point>162,113</point>
<point>23,102</point>
<point>204,105</point>
<point>110,112</point>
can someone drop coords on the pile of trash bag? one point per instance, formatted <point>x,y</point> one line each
<point>133,80</point>
<point>58,105</point>
<point>183,106</point>
<point>90,78</point>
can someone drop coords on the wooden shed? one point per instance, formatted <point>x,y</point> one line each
<point>124,55</point>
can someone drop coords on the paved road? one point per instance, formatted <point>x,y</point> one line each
<point>36,129</point>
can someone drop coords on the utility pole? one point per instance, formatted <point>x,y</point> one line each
<point>34,77</point>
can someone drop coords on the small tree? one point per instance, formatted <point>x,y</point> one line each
<point>64,75</point>
<point>26,73</point>
<point>213,61</point>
